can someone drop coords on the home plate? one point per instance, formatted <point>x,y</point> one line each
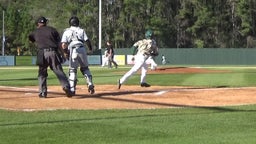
<point>160,92</point>
<point>155,93</point>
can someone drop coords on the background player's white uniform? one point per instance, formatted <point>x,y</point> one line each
<point>105,58</point>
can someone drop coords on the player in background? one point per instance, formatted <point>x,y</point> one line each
<point>163,60</point>
<point>105,58</point>
<point>145,48</point>
<point>111,54</point>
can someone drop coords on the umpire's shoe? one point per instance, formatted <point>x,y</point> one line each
<point>42,95</point>
<point>67,92</point>
<point>144,85</point>
<point>91,89</point>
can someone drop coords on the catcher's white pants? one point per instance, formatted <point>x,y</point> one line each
<point>140,62</point>
<point>78,57</point>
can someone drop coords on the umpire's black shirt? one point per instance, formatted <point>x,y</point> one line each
<point>45,37</point>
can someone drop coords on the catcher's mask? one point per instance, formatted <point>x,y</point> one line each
<point>74,21</point>
<point>149,34</point>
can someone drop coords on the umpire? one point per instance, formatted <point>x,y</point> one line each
<point>47,40</point>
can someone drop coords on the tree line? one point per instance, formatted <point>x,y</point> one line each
<point>176,23</point>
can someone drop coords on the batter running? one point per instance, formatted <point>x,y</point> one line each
<point>145,48</point>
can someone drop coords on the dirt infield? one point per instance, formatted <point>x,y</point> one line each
<point>128,97</point>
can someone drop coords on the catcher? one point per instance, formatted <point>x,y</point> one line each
<point>145,48</point>
<point>73,42</point>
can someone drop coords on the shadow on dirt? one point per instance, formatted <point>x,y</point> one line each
<point>115,96</point>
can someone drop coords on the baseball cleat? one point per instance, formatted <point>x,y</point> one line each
<point>42,95</point>
<point>144,85</point>
<point>119,84</point>
<point>91,89</point>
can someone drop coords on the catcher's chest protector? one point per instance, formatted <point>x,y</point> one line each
<point>75,39</point>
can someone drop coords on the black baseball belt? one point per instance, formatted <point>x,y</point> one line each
<point>49,49</point>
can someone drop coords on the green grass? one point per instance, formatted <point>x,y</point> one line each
<point>227,125</point>
<point>24,60</point>
<point>202,125</point>
<point>235,77</point>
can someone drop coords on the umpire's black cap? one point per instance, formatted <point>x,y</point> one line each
<point>42,20</point>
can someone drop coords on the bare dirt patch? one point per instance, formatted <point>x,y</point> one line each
<point>167,70</point>
<point>128,97</point>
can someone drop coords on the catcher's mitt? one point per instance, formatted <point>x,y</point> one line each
<point>66,54</point>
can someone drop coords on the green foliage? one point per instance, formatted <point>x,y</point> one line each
<point>176,23</point>
<point>199,44</point>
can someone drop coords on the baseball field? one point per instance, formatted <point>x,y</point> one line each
<point>185,104</point>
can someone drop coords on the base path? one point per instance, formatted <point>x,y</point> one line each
<point>128,97</point>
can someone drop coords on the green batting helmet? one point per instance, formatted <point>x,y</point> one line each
<point>149,34</point>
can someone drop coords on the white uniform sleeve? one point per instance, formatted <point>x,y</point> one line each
<point>64,38</point>
<point>85,36</point>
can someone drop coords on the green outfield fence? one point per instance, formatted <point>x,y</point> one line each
<point>186,56</point>
<point>204,56</point>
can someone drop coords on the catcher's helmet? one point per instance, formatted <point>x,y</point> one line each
<point>74,21</point>
<point>149,34</point>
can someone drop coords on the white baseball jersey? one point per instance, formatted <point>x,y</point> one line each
<point>146,46</point>
<point>74,36</point>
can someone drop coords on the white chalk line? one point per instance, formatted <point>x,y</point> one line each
<point>157,93</point>
<point>18,88</point>
<point>161,92</point>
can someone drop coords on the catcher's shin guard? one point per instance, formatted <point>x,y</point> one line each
<point>87,75</point>
<point>72,79</point>
<point>90,84</point>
